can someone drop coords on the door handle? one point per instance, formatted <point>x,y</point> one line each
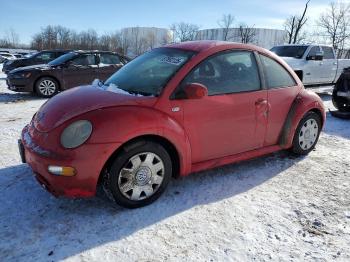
<point>260,102</point>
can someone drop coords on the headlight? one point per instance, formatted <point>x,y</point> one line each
<point>76,134</point>
<point>22,75</point>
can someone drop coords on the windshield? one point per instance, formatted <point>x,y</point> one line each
<point>150,72</point>
<point>289,51</point>
<point>62,59</point>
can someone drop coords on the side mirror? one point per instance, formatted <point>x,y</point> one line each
<point>195,91</point>
<point>97,82</point>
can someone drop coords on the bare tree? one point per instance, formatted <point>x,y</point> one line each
<point>63,36</point>
<point>166,39</point>
<point>105,42</point>
<point>151,40</point>
<point>184,31</point>
<point>226,23</point>
<point>335,24</point>
<point>125,42</point>
<point>137,40</point>
<point>133,41</point>
<point>11,38</point>
<point>294,25</point>
<point>247,33</point>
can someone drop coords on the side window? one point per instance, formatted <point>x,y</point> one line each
<point>84,60</point>
<point>58,54</point>
<point>328,52</point>
<point>46,56</point>
<point>225,73</point>
<point>109,59</point>
<point>276,75</point>
<point>313,51</point>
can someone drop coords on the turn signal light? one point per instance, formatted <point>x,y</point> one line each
<point>62,170</point>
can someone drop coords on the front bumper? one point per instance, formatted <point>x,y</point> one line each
<point>88,161</point>
<point>19,84</point>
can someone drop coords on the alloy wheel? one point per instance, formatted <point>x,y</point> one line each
<point>47,87</point>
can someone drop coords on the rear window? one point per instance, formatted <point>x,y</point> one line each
<point>109,59</point>
<point>289,51</point>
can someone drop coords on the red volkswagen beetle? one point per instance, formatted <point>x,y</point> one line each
<point>170,112</point>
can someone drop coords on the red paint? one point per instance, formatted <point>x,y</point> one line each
<point>206,132</point>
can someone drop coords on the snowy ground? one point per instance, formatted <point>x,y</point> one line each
<point>278,208</point>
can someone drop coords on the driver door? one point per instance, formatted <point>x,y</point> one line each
<point>81,70</point>
<point>313,68</point>
<point>231,119</point>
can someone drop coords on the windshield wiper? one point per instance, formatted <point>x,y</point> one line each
<point>136,92</point>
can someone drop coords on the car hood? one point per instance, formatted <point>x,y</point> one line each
<point>31,67</point>
<point>19,61</point>
<point>79,100</point>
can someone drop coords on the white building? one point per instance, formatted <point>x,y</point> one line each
<point>264,37</point>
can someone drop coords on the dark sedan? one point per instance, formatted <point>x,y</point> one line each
<point>70,70</point>
<point>42,57</point>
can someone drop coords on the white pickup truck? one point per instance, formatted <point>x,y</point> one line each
<point>314,64</point>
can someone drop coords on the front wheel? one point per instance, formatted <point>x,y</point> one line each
<point>138,176</point>
<point>46,87</point>
<point>307,133</point>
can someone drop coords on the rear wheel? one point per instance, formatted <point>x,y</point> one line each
<point>46,87</point>
<point>139,176</point>
<point>341,103</point>
<point>307,133</point>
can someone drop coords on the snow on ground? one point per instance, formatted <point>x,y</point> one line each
<point>278,207</point>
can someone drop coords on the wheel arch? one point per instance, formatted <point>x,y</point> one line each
<point>139,140</point>
<point>305,102</point>
<point>319,113</point>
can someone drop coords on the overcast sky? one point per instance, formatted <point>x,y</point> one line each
<point>27,17</point>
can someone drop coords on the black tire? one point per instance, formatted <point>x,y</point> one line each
<point>340,103</point>
<point>297,147</point>
<point>122,160</point>
<point>50,90</point>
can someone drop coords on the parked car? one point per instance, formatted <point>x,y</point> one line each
<point>18,56</point>
<point>2,59</point>
<point>341,96</point>
<point>42,57</point>
<point>172,111</point>
<point>8,56</point>
<point>314,64</point>
<point>70,70</point>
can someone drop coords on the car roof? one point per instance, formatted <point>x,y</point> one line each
<point>57,50</point>
<point>97,51</point>
<point>93,51</point>
<point>203,45</point>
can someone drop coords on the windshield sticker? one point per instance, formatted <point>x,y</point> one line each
<point>172,60</point>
